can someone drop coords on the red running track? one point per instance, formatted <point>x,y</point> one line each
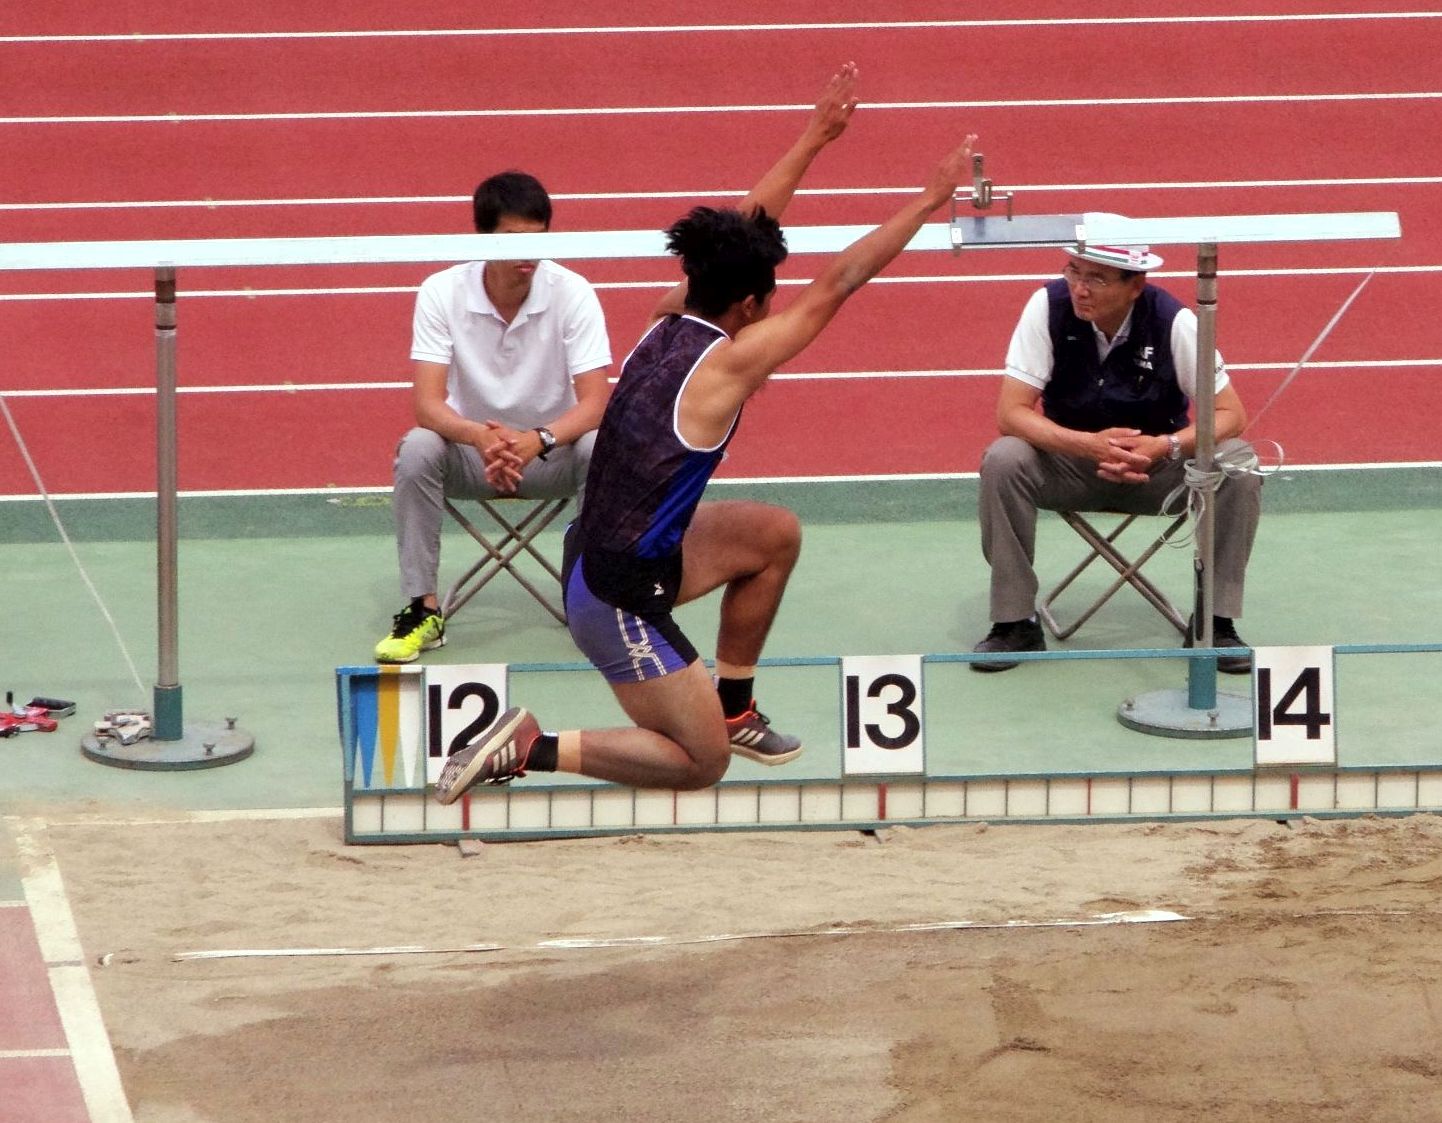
<point>132,17</point>
<point>314,438</point>
<point>884,148</point>
<point>686,68</point>
<point>953,319</point>
<point>38,1083</point>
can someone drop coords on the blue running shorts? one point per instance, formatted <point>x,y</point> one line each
<point>623,646</point>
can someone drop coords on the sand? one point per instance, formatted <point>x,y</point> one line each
<point>1305,985</point>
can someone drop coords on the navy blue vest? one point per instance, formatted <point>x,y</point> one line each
<point>644,484</point>
<point>1135,388</point>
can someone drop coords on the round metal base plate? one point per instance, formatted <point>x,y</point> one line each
<point>1167,713</point>
<point>201,745</point>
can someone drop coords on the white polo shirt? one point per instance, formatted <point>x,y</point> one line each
<point>518,373</point>
<point>1029,358</point>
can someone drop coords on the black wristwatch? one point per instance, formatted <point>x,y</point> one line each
<point>548,441</point>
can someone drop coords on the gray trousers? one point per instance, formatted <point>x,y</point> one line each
<point>1018,479</point>
<point>430,469</point>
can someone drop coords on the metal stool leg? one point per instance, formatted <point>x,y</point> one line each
<point>1128,570</point>
<point>515,539</point>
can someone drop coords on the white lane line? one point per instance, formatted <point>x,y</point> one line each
<point>340,494</point>
<point>707,28</point>
<point>787,282</point>
<point>64,957</point>
<point>26,1054</point>
<point>793,376</point>
<point>707,193</point>
<point>663,110</point>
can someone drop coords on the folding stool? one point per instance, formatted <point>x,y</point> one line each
<point>1130,572</point>
<point>512,540</point>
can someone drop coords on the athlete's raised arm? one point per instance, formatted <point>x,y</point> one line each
<point>774,190</point>
<point>733,370</point>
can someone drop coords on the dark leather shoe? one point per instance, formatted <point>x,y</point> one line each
<point>1224,634</point>
<point>1016,635</point>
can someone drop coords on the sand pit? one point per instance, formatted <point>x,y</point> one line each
<point>1306,985</point>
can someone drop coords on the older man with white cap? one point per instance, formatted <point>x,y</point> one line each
<point>1111,360</point>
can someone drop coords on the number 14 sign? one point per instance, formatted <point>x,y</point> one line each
<point>1294,706</point>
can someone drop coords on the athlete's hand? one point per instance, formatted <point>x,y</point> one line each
<point>953,171</point>
<point>835,106</point>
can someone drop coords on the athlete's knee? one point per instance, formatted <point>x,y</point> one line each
<point>781,535</point>
<point>706,770</point>
<point>707,745</point>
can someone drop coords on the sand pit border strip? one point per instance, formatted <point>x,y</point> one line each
<point>223,815</point>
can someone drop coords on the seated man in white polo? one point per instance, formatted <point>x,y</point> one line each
<point>1094,415</point>
<point>511,352</point>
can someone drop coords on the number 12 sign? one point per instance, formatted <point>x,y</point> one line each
<point>461,702</point>
<point>1294,706</point>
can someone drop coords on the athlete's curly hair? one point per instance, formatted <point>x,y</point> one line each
<point>726,256</point>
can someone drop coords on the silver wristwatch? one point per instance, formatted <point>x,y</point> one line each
<point>548,441</point>
<point>1175,451</point>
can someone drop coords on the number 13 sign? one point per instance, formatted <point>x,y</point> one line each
<point>1294,706</point>
<point>881,715</point>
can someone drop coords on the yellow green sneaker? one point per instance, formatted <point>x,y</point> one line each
<point>416,628</point>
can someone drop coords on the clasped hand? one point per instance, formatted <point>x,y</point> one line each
<point>1125,456</point>
<point>506,454</point>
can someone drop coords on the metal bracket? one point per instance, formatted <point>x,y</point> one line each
<point>981,196</point>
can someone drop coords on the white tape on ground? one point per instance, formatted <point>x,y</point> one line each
<point>1140,916</point>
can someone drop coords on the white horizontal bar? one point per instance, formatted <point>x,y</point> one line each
<point>616,244</point>
<point>597,244</point>
<point>1347,226</point>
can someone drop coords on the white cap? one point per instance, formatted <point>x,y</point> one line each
<point>1136,259</point>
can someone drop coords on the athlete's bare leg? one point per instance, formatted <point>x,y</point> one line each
<point>751,548</point>
<point>680,741</point>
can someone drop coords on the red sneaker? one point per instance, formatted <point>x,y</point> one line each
<point>497,756</point>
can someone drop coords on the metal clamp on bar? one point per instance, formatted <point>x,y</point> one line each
<point>981,196</point>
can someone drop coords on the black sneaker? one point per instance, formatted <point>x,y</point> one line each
<point>1224,634</point>
<point>1017,635</point>
<point>752,737</point>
